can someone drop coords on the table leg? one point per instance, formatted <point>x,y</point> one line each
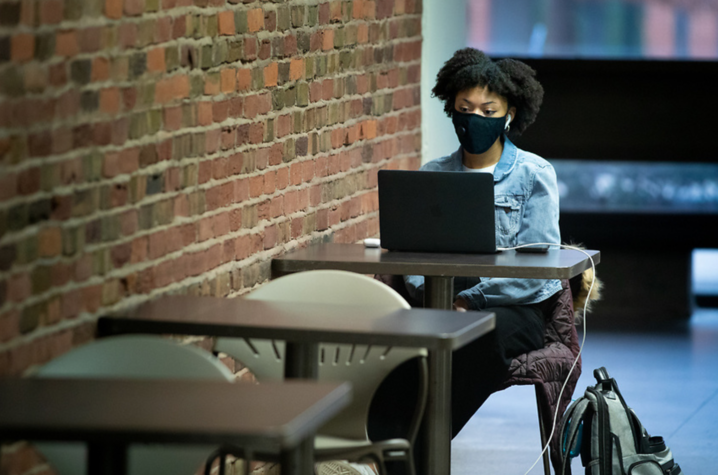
<point>437,435</point>
<point>106,459</point>
<point>301,360</point>
<point>439,292</point>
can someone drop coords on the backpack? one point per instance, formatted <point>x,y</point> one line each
<point>609,437</point>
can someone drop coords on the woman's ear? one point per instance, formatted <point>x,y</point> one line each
<point>510,115</point>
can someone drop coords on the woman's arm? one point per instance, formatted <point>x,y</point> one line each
<point>539,223</point>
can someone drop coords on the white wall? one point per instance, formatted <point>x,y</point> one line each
<point>444,28</point>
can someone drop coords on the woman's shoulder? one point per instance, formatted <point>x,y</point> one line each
<point>531,159</point>
<point>447,163</point>
<point>533,162</point>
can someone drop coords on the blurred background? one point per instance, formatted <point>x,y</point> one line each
<point>627,121</point>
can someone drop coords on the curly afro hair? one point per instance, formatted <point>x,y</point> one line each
<point>509,78</point>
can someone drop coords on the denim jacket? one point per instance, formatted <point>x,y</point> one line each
<point>526,198</point>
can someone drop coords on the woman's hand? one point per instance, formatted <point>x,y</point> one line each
<point>461,305</point>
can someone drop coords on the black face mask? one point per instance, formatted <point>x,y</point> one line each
<point>477,133</point>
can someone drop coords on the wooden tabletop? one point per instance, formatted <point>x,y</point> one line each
<point>556,264</point>
<point>270,416</point>
<point>301,322</point>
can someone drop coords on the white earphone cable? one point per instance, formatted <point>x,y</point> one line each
<point>583,340</point>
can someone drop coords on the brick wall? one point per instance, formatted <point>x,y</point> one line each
<point>155,146</point>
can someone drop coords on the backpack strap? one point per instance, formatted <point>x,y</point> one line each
<point>570,425</point>
<point>603,418</point>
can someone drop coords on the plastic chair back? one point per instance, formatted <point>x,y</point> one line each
<point>265,358</point>
<point>134,357</point>
<point>364,366</point>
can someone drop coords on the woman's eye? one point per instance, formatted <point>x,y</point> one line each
<point>489,112</point>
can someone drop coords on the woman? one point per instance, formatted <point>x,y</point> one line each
<point>487,102</point>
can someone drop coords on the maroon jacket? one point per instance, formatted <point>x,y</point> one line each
<point>548,367</point>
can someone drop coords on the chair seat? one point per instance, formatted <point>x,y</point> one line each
<point>329,443</point>
<point>326,442</point>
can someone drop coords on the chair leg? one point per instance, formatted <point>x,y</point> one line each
<point>544,441</point>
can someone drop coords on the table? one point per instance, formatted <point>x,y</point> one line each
<point>110,414</point>
<point>439,270</point>
<point>304,326</point>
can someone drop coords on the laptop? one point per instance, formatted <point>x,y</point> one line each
<point>425,211</point>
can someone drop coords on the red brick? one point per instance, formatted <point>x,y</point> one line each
<point>327,89</point>
<point>244,79</point>
<point>228,251</point>
<point>256,186</point>
<point>163,29</point>
<point>220,111</point>
<point>9,329</point>
<point>90,39</point>
<point>235,219</point>
<point>173,118</point>
<point>271,233</point>
<point>219,168</point>
<point>297,227</point>
<point>28,181</point>
<point>225,19</point>
<point>327,40</point>
<point>211,84</point>
<point>315,41</point>
<point>51,12</point>
<point>179,27</point>
<point>134,7</point>
<point>214,138</point>
<point>362,33</point>
<point>290,45</point>
<point>358,9</point>
<point>296,69</point>
<point>227,79</point>
<point>8,186</point>
<point>156,60</point>
<point>219,196</point>
<point>129,222</point>
<point>22,47</point>
<point>100,69</point>
<point>204,113</point>
<point>49,242</point>
<point>19,287</point>
<point>66,43</point>
<point>92,298</point>
<point>236,107</point>
<point>271,73</point>
<point>113,9</point>
<point>282,178</point>
<point>283,125</point>
<point>255,19</point>
<point>324,12</point>
<point>256,133</point>
<point>164,91</point>
<point>127,35</point>
<point>250,48</point>
<point>205,171</point>
<point>139,249</point>
<point>322,219</point>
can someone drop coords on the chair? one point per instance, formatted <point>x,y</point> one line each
<point>136,357</point>
<point>344,437</point>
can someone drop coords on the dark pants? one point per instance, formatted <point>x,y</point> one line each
<point>478,369</point>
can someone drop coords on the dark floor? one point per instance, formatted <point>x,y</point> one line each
<point>669,378</point>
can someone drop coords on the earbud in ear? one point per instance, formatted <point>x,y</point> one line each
<point>508,118</point>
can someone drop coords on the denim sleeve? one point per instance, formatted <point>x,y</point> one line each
<point>415,286</point>
<point>539,223</point>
